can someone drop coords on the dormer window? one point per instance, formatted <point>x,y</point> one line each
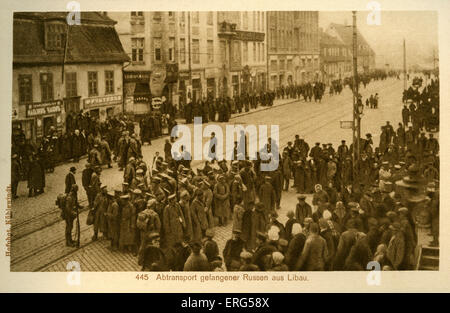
<point>55,34</point>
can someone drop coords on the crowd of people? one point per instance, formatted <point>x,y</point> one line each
<point>166,213</point>
<point>85,136</point>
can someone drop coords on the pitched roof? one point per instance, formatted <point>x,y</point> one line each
<point>85,17</point>
<point>328,40</point>
<point>95,41</point>
<point>346,35</point>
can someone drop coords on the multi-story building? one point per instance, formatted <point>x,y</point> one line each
<point>60,69</point>
<point>335,58</point>
<point>243,44</point>
<point>293,52</point>
<point>199,55</point>
<point>365,54</point>
<point>150,41</point>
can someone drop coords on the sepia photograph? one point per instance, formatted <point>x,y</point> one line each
<point>253,140</point>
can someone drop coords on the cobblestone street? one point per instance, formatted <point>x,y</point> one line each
<point>36,247</point>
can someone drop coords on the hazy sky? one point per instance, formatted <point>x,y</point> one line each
<point>419,28</point>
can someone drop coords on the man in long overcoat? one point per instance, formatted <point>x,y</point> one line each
<point>222,201</point>
<point>127,239</point>
<point>173,222</point>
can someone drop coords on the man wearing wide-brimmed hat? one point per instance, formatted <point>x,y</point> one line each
<point>70,179</point>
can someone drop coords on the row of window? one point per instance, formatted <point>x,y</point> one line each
<point>281,65</point>
<point>47,90</point>
<point>258,51</point>
<point>335,51</point>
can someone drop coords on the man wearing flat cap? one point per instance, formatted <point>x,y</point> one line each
<point>127,239</point>
<point>222,201</point>
<point>267,195</point>
<point>264,248</point>
<point>302,209</point>
<point>231,252</point>
<point>173,222</point>
<point>100,207</point>
<point>113,219</point>
<point>94,184</point>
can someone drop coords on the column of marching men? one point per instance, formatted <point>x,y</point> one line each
<point>165,212</point>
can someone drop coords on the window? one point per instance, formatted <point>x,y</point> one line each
<point>273,65</point>
<point>195,17</point>
<point>245,20</point>
<point>210,47</point>
<point>263,52</point>
<point>92,84</point>
<point>245,52</point>
<point>262,24</point>
<point>137,49</point>
<point>157,16</point>
<point>183,17</point>
<point>171,15</point>
<point>136,13</point>
<point>258,20</point>
<point>259,52</point>
<point>46,87</point>
<point>195,51</point>
<point>157,45</point>
<point>25,89</point>
<point>254,52</point>
<point>109,82</point>
<point>223,51</point>
<point>55,34</point>
<point>172,49</point>
<point>182,51</point>
<point>71,84</point>
<point>209,20</point>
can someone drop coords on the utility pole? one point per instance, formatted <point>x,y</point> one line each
<point>189,47</point>
<point>356,116</point>
<point>404,65</point>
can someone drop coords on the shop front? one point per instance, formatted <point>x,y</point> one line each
<point>44,116</point>
<point>71,108</point>
<point>137,92</point>
<point>102,107</point>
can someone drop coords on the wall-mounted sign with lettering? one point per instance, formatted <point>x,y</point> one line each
<point>102,101</point>
<point>43,108</point>
<point>249,36</point>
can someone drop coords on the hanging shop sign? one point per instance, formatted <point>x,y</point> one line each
<point>136,76</point>
<point>43,108</point>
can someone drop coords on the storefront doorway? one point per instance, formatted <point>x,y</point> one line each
<point>48,122</point>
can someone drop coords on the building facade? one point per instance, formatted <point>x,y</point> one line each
<point>150,41</point>
<point>243,44</point>
<point>293,47</point>
<point>335,58</point>
<point>365,54</point>
<point>61,69</point>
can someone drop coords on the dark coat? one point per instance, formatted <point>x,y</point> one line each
<point>314,254</point>
<point>128,225</point>
<point>70,180</point>
<point>294,250</point>
<point>232,252</point>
